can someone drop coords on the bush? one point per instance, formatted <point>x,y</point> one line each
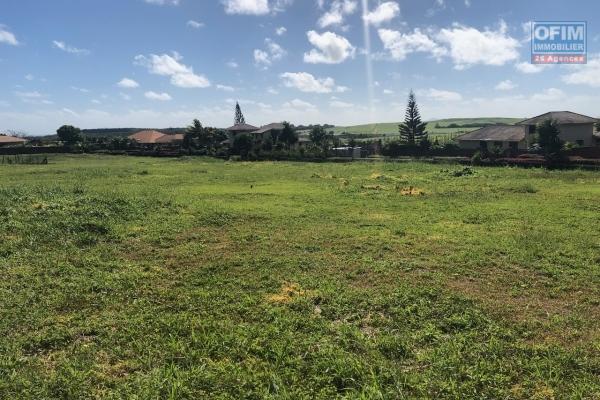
<point>476,159</point>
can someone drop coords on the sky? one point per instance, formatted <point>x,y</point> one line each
<point>162,63</point>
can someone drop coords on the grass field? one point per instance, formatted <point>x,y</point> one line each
<point>194,278</point>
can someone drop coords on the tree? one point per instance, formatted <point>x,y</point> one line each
<point>412,131</point>
<point>192,134</point>
<point>288,135</point>
<point>69,134</point>
<point>239,117</point>
<point>548,134</point>
<point>318,136</point>
<point>242,145</point>
<point>597,126</point>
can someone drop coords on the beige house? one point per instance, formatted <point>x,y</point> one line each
<point>6,140</point>
<point>574,128</point>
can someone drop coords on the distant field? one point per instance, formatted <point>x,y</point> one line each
<point>390,129</point>
<point>142,278</point>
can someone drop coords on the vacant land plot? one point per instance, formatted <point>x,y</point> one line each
<point>193,278</point>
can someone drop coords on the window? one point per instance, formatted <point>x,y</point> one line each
<point>531,129</point>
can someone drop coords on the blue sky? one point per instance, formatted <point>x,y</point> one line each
<point>161,63</point>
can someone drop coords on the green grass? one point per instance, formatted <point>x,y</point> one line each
<point>194,278</point>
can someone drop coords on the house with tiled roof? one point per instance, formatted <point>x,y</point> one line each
<point>7,140</point>
<point>574,128</point>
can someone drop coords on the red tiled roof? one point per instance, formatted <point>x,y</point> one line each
<point>147,137</point>
<point>178,137</point>
<point>242,128</point>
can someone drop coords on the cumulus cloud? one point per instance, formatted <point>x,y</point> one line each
<point>158,96</point>
<point>8,37</point>
<point>400,45</point>
<point>255,7</point>
<point>506,85</point>
<point>232,64</point>
<point>529,68</point>
<point>69,49</point>
<point>465,46</point>
<point>469,46</point>
<point>33,97</point>
<point>336,14</point>
<point>166,65</point>
<point>128,83</point>
<point>273,52</point>
<point>307,83</point>
<point>383,13</point>
<point>281,31</point>
<point>329,48</point>
<point>588,74</point>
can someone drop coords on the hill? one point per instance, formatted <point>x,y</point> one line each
<point>438,127</point>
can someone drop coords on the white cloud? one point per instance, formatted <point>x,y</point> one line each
<point>163,2</point>
<point>69,49</point>
<point>588,74</point>
<point>340,104</point>
<point>8,37</point>
<point>469,46</point>
<point>272,91</point>
<point>329,48</point>
<point>299,104</point>
<point>551,94</point>
<point>274,52</point>
<point>128,83</point>
<point>400,45</point>
<point>307,83</point>
<point>281,31</point>
<point>506,85</point>
<point>388,91</point>
<point>383,13</point>
<point>29,77</point>
<point>336,14</point>
<point>442,95</point>
<point>467,3</point>
<point>195,24</point>
<point>232,64</point>
<point>226,88</point>
<point>166,65</point>
<point>125,96</point>
<point>78,89</point>
<point>529,68</point>
<point>255,7</point>
<point>158,96</point>
<point>33,97</point>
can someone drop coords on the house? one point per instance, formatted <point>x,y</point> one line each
<point>6,140</point>
<point>574,128</point>
<point>173,140</point>
<point>149,138</point>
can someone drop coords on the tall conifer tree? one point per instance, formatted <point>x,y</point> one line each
<point>239,117</point>
<point>412,130</point>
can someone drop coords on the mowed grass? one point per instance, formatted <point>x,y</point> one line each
<point>194,278</point>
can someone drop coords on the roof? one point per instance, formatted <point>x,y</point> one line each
<point>242,128</point>
<point>277,126</point>
<point>178,137</point>
<point>5,139</point>
<point>496,133</point>
<point>562,117</point>
<point>147,137</point>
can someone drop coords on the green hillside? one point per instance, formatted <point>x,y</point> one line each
<point>437,127</point>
